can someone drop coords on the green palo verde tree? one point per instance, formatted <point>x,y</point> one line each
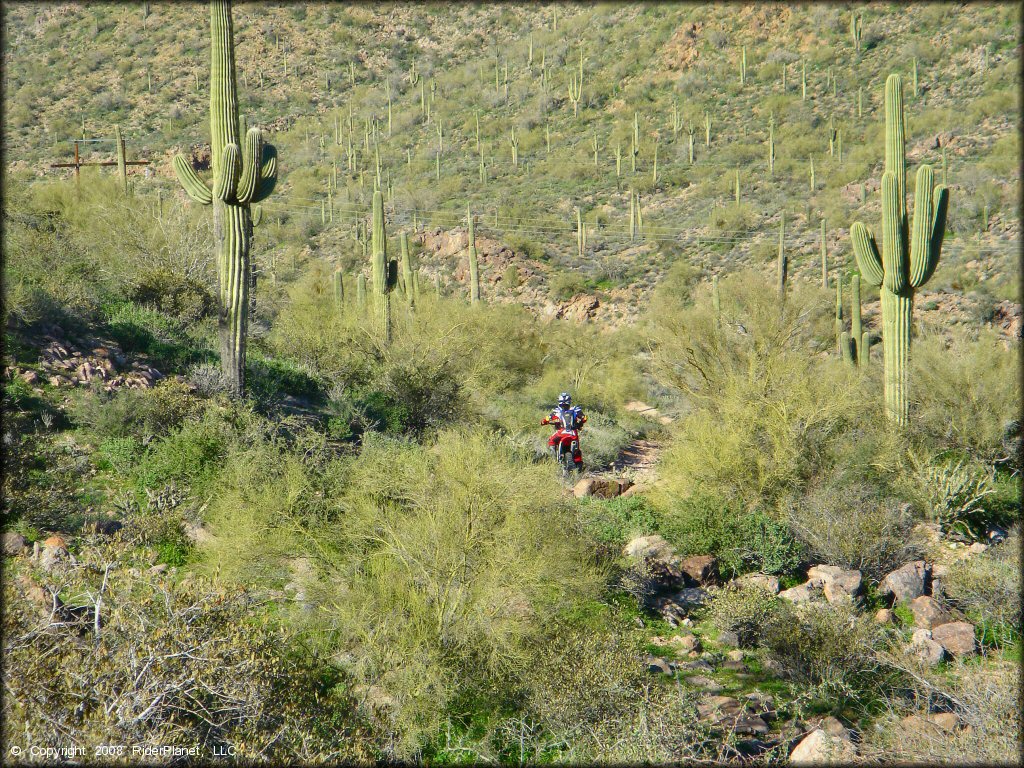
<point>908,257</point>
<point>241,176</point>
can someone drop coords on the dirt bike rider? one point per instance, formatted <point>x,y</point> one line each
<point>567,417</point>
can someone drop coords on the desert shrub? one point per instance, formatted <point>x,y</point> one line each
<point>831,647</point>
<point>118,454</point>
<point>985,699</point>
<point>184,298</point>
<point>565,285</point>
<point>189,456</point>
<point>748,610</point>
<point>615,521</point>
<point>967,393</point>
<point>953,493</point>
<point>741,540</point>
<point>987,589</point>
<point>133,680</point>
<point>590,698</point>
<point>430,564</point>
<point>138,413</point>
<point>853,525</point>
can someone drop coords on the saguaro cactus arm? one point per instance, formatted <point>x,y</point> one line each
<point>194,187</point>
<point>227,173</point>
<point>866,251</point>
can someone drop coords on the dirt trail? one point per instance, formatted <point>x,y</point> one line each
<point>638,460</point>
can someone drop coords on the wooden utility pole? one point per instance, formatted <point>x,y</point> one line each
<point>78,162</point>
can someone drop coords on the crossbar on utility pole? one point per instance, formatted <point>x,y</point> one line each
<point>78,162</point>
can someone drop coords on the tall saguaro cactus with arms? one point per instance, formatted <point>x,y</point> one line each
<point>242,175</point>
<point>909,254</point>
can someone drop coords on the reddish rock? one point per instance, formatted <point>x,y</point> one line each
<point>906,582</point>
<point>700,568</point>
<point>928,613</point>
<point>955,637</point>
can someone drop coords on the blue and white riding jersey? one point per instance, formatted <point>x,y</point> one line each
<point>569,418</point>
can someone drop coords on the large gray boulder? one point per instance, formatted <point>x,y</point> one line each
<point>906,582</point>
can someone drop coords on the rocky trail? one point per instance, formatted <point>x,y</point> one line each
<point>634,468</point>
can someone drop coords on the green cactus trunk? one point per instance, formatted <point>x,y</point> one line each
<point>839,313</point>
<point>407,273</point>
<point>856,324</point>
<point>122,167</point>
<point>474,267</point>
<point>909,255</point>
<point>824,257</point>
<point>383,272</point>
<point>361,290</point>
<point>242,175</point>
<point>339,288</point>
<point>782,265</point>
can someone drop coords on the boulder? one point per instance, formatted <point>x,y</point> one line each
<point>699,665</point>
<point>925,648</point>
<point>644,547</point>
<point>603,488</point>
<point>928,614</point>
<point>906,582</point>
<point>705,683</point>
<point>745,725</point>
<point>761,705</point>
<point>764,580</point>
<point>802,593</point>
<point>13,543</point>
<point>955,637</point>
<point>842,579</point>
<point>54,554</point>
<point>833,727</point>
<point>729,639</point>
<point>700,568</point>
<point>685,643</point>
<point>657,665</point>
<point>821,747</point>
<point>719,705</point>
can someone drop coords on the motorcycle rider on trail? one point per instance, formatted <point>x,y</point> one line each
<point>570,419</point>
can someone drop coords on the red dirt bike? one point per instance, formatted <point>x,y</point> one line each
<point>566,449</point>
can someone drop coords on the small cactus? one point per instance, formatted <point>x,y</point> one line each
<point>122,167</point>
<point>782,261</point>
<point>407,271</point>
<point>339,288</point>
<point>474,267</point>
<point>824,257</point>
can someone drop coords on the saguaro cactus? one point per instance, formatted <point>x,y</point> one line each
<point>824,257</point>
<point>908,257</point>
<point>361,290</point>
<point>241,177</point>
<point>384,274</point>
<point>407,274</point>
<point>339,288</point>
<point>782,262</point>
<point>474,267</point>
<point>122,166</point>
